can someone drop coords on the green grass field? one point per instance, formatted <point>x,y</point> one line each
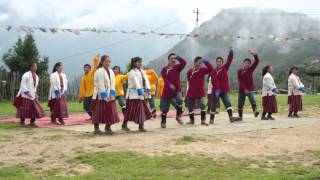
<point>122,164</point>
<point>6,108</point>
<point>128,165</point>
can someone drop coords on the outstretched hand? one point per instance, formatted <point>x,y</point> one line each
<point>252,52</point>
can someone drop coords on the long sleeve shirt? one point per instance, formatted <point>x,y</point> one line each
<point>87,80</point>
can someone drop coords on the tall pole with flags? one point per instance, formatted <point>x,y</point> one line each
<point>197,16</point>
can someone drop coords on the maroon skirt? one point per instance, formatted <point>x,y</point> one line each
<point>295,103</point>
<point>137,111</point>
<point>29,109</point>
<point>269,104</point>
<point>58,107</point>
<point>104,112</point>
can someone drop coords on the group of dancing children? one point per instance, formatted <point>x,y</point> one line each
<point>101,86</point>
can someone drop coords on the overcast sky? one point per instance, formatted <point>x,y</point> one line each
<point>106,13</point>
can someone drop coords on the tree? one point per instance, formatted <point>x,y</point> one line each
<point>23,52</point>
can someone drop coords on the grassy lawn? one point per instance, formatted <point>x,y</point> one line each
<point>128,165</point>
<point>6,108</point>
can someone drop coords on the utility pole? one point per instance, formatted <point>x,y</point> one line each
<point>197,18</point>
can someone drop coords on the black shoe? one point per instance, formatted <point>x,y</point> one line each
<point>235,119</point>
<point>108,131</point>
<point>33,125</point>
<point>296,116</point>
<point>203,123</point>
<point>264,118</point>
<point>142,130</point>
<point>61,121</point>
<point>212,118</point>
<point>191,116</point>
<point>270,118</point>
<point>98,132</point>
<point>256,114</point>
<point>163,125</point>
<point>125,128</point>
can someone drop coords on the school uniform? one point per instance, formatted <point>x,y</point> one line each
<point>215,93</point>
<point>121,79</point>
<point>160,86</point>
<point>295,92</point>
<point>171,78</point>
<point>104,110</point>
<point>245,79</point>
<point>223,80</point>
<point>196,90</point>
<point>137,108</point>
<point>209,93</point>
<point>153,80</point>
<point>26,100</point>
<point>57,99</point>
<point>269,101</point>
<point>87,86</point>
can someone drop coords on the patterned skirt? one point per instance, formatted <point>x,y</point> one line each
<point>104,112</point>
<point>29,109</point>
<point>269,104</point>
<point>137,111</point>
<point>58,107</point>
<point>295,103</point>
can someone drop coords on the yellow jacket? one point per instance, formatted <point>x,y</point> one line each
<point>153,80</point>
<point>87,83</point>
<point>160,87</point>
<point>120,81</point>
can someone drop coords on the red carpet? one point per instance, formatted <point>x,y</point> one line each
<point>74,119</point>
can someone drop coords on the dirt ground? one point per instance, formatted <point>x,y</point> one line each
<point>45,149</point>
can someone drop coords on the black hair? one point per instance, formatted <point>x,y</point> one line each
<point>87,65</point>
<point>219,58</point>
<point>292,68</point>
<point>31,64</point>
<point>103,58</point>
<point>265,69</point>
<point>133,62</point>
<point>55,67</point>
<point>115,67</point>
<point>198,58</point>
<point>171,54</point>
<point>247,60</point>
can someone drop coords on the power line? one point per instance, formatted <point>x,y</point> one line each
<point>111,44</point>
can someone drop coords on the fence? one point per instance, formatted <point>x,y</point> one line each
<point>10,83</point>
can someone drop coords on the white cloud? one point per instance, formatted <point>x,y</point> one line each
<point>82,13</point>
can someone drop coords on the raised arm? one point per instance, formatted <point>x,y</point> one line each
<point>95,63</point>
<point>256,60</point>
<point>229,59</point>
<point>208,69</point>
<point>182,63</point>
